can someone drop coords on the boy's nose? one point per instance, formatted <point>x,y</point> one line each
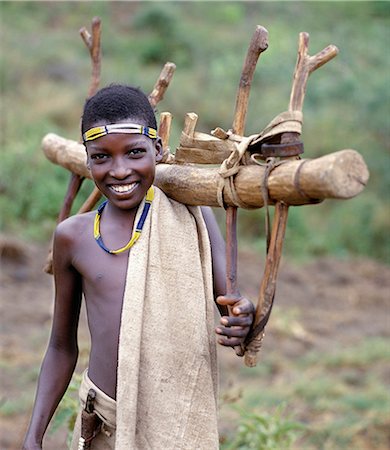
<point>120,170</point>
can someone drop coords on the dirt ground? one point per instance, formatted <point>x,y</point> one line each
<point>337,301</point>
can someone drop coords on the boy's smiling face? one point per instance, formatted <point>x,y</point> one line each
<point>123,166</point>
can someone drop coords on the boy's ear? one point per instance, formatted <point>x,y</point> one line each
<point>159,149</point>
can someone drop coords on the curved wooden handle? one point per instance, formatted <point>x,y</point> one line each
<point>257,45</point>
<point>305,65</point>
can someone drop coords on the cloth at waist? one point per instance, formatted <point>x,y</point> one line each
<point>104,405</point>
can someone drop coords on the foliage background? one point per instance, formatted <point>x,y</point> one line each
<point>45,75</point>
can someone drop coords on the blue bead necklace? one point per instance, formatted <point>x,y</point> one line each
<point>138,229</point>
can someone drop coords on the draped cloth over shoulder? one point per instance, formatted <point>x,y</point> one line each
<point>167,376</point>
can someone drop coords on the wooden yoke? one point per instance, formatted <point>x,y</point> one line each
<point>338,175</point>
<point>258,44</point>
<point>304,67</point>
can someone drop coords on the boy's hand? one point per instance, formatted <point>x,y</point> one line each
<point>234,329</point>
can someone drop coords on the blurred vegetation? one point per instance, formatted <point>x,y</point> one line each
<point>45,73</point>
<point>337,402</point>
<point>263,431</point>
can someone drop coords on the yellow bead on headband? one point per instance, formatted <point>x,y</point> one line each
<point>126,128</point>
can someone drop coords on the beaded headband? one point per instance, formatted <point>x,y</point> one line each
<point>126,128</point>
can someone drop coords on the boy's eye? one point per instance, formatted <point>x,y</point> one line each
<point>136,152</point>
<point>99,156</point>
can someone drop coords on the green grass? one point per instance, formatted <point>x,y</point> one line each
<point>265,431</point>
<point>339,397</point>
<point>16,398</point>
<point>365,353</point>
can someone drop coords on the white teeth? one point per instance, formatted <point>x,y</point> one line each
<point>123,187</point>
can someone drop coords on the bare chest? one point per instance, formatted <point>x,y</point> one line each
<point>103,278</point>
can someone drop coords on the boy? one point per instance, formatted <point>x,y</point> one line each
<point>147,294</point>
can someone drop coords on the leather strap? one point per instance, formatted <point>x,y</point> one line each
<point>281,150</point>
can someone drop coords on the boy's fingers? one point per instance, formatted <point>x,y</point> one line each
<point>227,300</point>
<point>240,321</point>
<point>229,341</point>
<point>244,306</point>
<point>238,332</point>
<point>240,305</point>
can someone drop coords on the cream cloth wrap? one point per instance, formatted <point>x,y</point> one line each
<point>105,408</point>
<point>167,373</point>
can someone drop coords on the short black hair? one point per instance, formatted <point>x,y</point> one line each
<point>118,102</point>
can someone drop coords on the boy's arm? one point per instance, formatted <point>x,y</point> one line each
<point>62,352</point>
<point>218,254</point>
<point>233,328</point>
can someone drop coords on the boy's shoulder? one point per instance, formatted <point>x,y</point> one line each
<point>75,226</point>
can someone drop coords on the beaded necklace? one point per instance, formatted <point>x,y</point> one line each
<point>138,229</point>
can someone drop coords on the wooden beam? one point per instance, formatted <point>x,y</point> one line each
<point>339,175</point>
